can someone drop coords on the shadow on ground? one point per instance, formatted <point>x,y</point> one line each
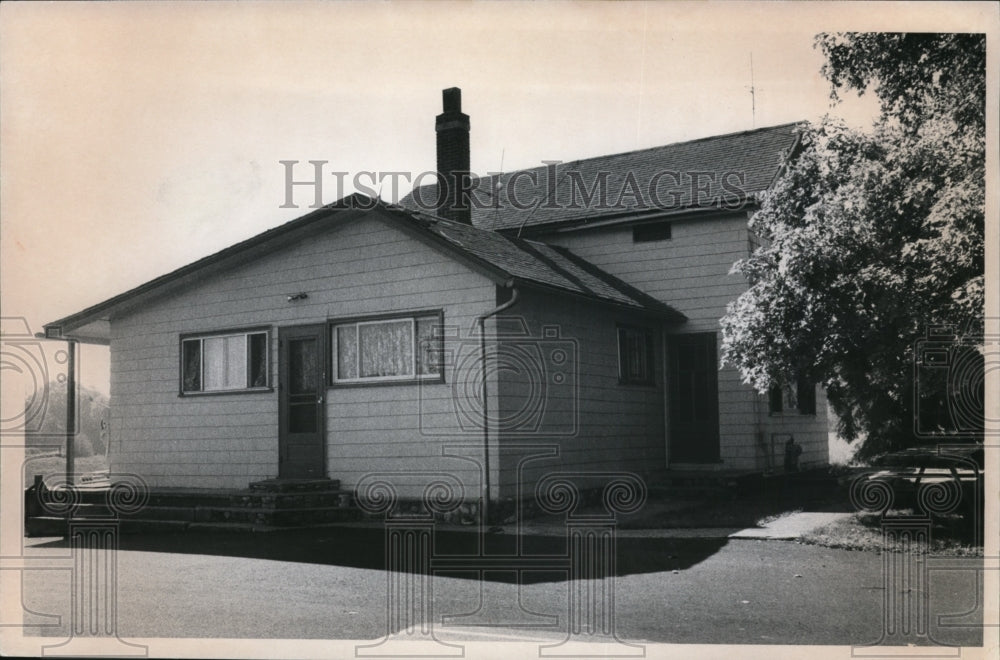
<point>454,553</point>
<point>753,500</point>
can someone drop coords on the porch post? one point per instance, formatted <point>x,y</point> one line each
<point>70,408</point>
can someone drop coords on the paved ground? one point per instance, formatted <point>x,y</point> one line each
<point>329,584</point>
<point>793,526</point>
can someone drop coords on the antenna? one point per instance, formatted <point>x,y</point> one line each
<point>496,209</point>
<point>753,96</point>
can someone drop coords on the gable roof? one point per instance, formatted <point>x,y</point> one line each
<point>533,263</point>
<point>507,261</point>
<point>704,174</point>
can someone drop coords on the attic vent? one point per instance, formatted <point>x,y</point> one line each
<point>656,231</point>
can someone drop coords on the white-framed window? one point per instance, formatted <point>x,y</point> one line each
<point>225,362</point>
<point>387,349</point>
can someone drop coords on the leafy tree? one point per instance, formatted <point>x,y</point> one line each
<point>869,239</point>
<point>92,418</point>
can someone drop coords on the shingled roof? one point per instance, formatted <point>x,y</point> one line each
<point>506,260</point>
<point>713,172</point>
<point>534,263</point>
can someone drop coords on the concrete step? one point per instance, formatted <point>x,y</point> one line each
<point>271,504</point>
<point>159,513</point>
<point>315,516</point>
<point>275,517</point>
<point>232,528</point>
<point>189,498</point>
<point>295,500</point>
<point>133,526</point>
<point>294,485</point>
<point>45,526</point>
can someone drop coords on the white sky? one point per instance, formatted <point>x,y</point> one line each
<point>137,137</point>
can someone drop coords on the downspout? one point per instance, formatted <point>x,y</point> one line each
<point>486,420</point>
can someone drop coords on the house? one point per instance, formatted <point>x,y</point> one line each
<point>561,318</point>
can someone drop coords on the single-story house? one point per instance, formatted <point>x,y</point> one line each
<point>572,330</point>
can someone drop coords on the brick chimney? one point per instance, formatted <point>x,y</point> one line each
<point>453,164</point>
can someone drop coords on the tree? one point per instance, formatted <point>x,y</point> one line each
<point>92,419</point>
<point>870,239</point>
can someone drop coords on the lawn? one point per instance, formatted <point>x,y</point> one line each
<point>949,535</point>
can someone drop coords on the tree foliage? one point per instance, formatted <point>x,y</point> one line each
<point>871,238</point>
<point>92,419</point>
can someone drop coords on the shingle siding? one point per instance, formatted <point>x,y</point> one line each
<point>596,423</point>
<point>691,273</point>
<point>367,267</point>
<point>371,266</point>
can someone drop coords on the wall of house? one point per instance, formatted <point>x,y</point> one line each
<point>580,411</point>
<point>690,272</point>
<point>809,431</point>
<point>229,440</point>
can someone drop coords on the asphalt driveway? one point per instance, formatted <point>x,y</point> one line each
<point>329,584</point>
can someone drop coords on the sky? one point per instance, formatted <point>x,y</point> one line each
<point>138,137</point>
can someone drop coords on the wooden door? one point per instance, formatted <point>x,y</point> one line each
<point>302,407</point>
<point>694,398</point>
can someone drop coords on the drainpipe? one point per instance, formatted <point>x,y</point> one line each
<point>486,421</point>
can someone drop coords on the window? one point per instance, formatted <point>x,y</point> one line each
<point>635,355</point>
<point>659,231</point>
<point>229,362</point>
<point>400,348</point>
<point>802,399</point>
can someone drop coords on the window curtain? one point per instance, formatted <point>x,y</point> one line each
<point>192,365</point>
<point>428,346</point>
<point>386,349</point>
<point>347,351</point>
<point>225,362</point>
<point>258,360</point>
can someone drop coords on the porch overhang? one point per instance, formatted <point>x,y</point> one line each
<point>96,331</point>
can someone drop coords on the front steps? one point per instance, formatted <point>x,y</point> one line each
<point>264,506</point>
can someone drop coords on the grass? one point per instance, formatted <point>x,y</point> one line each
<point>949,536</point>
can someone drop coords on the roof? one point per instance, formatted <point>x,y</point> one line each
<point>506,260</point>
<point>535,263</point>
<point>723,171</point>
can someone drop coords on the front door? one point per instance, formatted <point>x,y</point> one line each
<point>694,398</point>
<point>301,409</point>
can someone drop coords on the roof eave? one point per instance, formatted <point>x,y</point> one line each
<point>629,218</point>
<point>664,312</point>
<point>286,232</point>
<point>398,216</point>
